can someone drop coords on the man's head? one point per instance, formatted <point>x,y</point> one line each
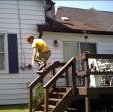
<point>30,39</point>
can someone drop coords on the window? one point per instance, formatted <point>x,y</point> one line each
<point>2,64</point>
<point>8,53</point>
<point>91,47</point>
<point>3,53</point>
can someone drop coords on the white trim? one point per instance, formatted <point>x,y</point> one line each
<point>5,52</point>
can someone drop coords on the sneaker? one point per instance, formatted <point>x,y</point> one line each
<point>40,72</point>
<point>42,66</point>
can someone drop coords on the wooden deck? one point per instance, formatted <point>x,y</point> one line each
<point>88,68</point>
<point>86,98</point>
<point>91,91</point>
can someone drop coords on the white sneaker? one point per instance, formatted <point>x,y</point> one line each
<point>41,66</point>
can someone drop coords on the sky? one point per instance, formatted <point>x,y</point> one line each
<point>102,5</point>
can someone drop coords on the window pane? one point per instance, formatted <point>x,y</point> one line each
<point>2,61</point>
<point>2,65</point>
<point>1,43</point>
<point>91,47</point>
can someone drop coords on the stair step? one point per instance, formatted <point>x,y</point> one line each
<point>59,93</point>
<point>50,106</point>
<point>54,99</point>
<point>61,88</point>
<point>72,109</point>
<point>39,111</point>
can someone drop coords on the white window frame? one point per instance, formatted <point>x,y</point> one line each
<point>5,53</point>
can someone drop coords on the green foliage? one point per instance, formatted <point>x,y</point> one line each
<point>14,108</point>
<point>38,94</point>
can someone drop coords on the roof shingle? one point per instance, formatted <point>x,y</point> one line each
<point>87,19</point>
<point>80,20</point>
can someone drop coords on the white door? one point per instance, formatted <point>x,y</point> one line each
<point>70,49</point>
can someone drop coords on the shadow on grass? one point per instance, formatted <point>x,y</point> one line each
<point>14,107</point>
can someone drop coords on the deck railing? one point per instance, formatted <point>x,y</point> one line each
<point>47,86</point>
<point>87,69</point>
<point>51,68</point>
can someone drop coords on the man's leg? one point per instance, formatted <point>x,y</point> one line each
<point>40,62</point>
<point>41,66</point>
<point>43,57</point>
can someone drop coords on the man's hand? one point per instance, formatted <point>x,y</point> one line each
<point>29,66</point>
<point>32,63</point>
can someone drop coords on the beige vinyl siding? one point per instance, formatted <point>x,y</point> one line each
<point>20,17</point>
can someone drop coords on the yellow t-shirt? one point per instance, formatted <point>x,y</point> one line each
<point>40,45</point>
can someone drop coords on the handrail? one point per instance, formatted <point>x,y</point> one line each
<point>98,56</point>
<point>86,55</point>
<point>34,82</point>
<point>86,70</point>
<point>58,74</point>
<point>38,79</point>
<point>54,78</point>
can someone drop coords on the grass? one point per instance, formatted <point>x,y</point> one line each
<point>14,108</point>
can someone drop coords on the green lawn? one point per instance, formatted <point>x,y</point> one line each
<point>14,108</point>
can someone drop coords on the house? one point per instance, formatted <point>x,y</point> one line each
<point>18,19</point>
<point>75,30</point>
<point>71,33</point>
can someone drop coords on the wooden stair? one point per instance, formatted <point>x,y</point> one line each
<point>58,100</point>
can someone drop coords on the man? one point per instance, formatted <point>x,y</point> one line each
<point>41,51</point>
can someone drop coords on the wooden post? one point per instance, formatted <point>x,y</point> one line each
<point>74,74</point>
<point>67,78</point>
<point>46,100</point>
<point>53,73</point>
<point>30,100</point>
<point>87,80</point>
<point>87,104</point>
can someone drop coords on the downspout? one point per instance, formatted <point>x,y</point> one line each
<point>22,63</point>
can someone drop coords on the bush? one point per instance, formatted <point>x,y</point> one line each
<point>38,94</point>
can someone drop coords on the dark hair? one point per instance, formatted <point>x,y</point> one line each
<point>40,34</point>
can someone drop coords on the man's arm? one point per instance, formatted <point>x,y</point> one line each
<point>34,55</point>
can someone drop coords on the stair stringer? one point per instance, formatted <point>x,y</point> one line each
<point>65,102</point>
